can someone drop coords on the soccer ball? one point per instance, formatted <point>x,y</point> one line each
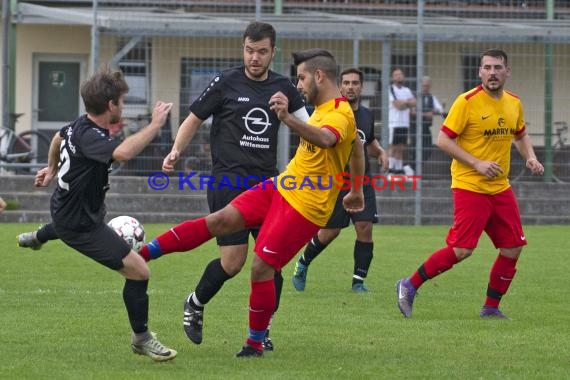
<point>130,229</point>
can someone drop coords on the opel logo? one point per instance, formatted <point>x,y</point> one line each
<point>256,121</point>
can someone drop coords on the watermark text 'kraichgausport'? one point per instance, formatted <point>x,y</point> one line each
<point>343,181</point>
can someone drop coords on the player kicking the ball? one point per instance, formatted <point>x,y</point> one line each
<point>80,155</point>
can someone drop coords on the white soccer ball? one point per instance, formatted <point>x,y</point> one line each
<point>130,229</point>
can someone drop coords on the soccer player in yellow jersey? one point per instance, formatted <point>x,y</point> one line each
<point>290,208</point>
<point>478,133</point>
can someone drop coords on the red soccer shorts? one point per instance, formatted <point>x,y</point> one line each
<point>283,230</point>
<point>498,215</point>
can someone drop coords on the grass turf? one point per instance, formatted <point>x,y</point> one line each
<point>63,317</point>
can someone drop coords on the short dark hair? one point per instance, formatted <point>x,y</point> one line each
<point>352,70</point>
<point>394,69</point>
<point>317,59</point>
<point>257,31</point>
<point>495,53</point>
<point>102,86</point>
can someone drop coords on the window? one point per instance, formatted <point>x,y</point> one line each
<point>196,74</point>
<point>470,66</point>
<point>135,65</point>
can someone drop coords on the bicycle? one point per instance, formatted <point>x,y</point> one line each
<point>560,157</point>
<point>22,153</point>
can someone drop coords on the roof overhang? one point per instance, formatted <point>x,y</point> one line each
<point>303,24</point>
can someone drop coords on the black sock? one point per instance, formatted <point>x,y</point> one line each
<point>211,282</point>
<point>312,250</point>
<point>362,259</point>
<point>136,301</point>
<point>278,288</point>
<point>46,232</point>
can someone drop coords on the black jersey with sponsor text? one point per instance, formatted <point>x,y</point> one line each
<point>243,136</point>
<point>365,125</point>
<point>86,151</point>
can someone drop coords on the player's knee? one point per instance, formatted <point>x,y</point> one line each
<point>233,267</point>
<point>327,235</point>
<point>136,271</point>
<point>260,270</point>
<point>363,231</point>
<point>462,253</point>
<point>225,221</point>
<point>512,253</point>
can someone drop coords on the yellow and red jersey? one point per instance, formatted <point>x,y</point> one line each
<point>484,127</point>
<point>310,183</point>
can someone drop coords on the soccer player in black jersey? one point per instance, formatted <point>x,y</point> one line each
<point>351,82</point>
<point>80,156</point>
<point>243,142</point>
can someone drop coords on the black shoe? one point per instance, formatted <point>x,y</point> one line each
<point>267,344</point>
<point>193,321</point>
<point>249,352</point>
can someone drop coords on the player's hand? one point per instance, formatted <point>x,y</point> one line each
<point>535,166</point>
<point>160,112</point>
<point>353,201</point>
<point>279,104</point>
<point>489,169</point>
<point>383,160</point>
<point>170,160</point>
<point>43,177</point>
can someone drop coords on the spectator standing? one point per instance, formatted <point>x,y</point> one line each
<point>401,102</point>
<point>430,108</point>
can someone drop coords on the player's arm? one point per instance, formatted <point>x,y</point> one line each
<point>524,146</point>
<point>354,200</point>
<point>300,114</point>
<point>184,136</point>
<point>134,144</point>
<point>448,144</point>
<point>321,137</point>
<point>375,150</point>
<point>45,175</point>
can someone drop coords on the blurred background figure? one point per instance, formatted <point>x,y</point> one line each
<point>430,108</point>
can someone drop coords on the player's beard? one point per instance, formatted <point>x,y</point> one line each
<point>115,118</point>
<point>259,73</point>
<point>312,92</point>
<point>496,87</point>
<point>353,99</point>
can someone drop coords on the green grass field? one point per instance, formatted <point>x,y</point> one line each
<point>62,316</point>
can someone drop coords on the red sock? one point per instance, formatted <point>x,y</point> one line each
<point>439,262</point>
<point>183,237</point>
<point>500,279</point>
<point>262,301</point>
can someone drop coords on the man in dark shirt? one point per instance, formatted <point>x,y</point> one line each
<point>80,155</point>
<point>243,143</point>
<point>351,81</point>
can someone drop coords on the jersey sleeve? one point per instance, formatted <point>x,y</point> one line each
<point>337,123</point>
<point>97,146</point>
<point>296,101</point>
<point>456,120</point>
<point>210,99</point>
<point>521,122</point>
